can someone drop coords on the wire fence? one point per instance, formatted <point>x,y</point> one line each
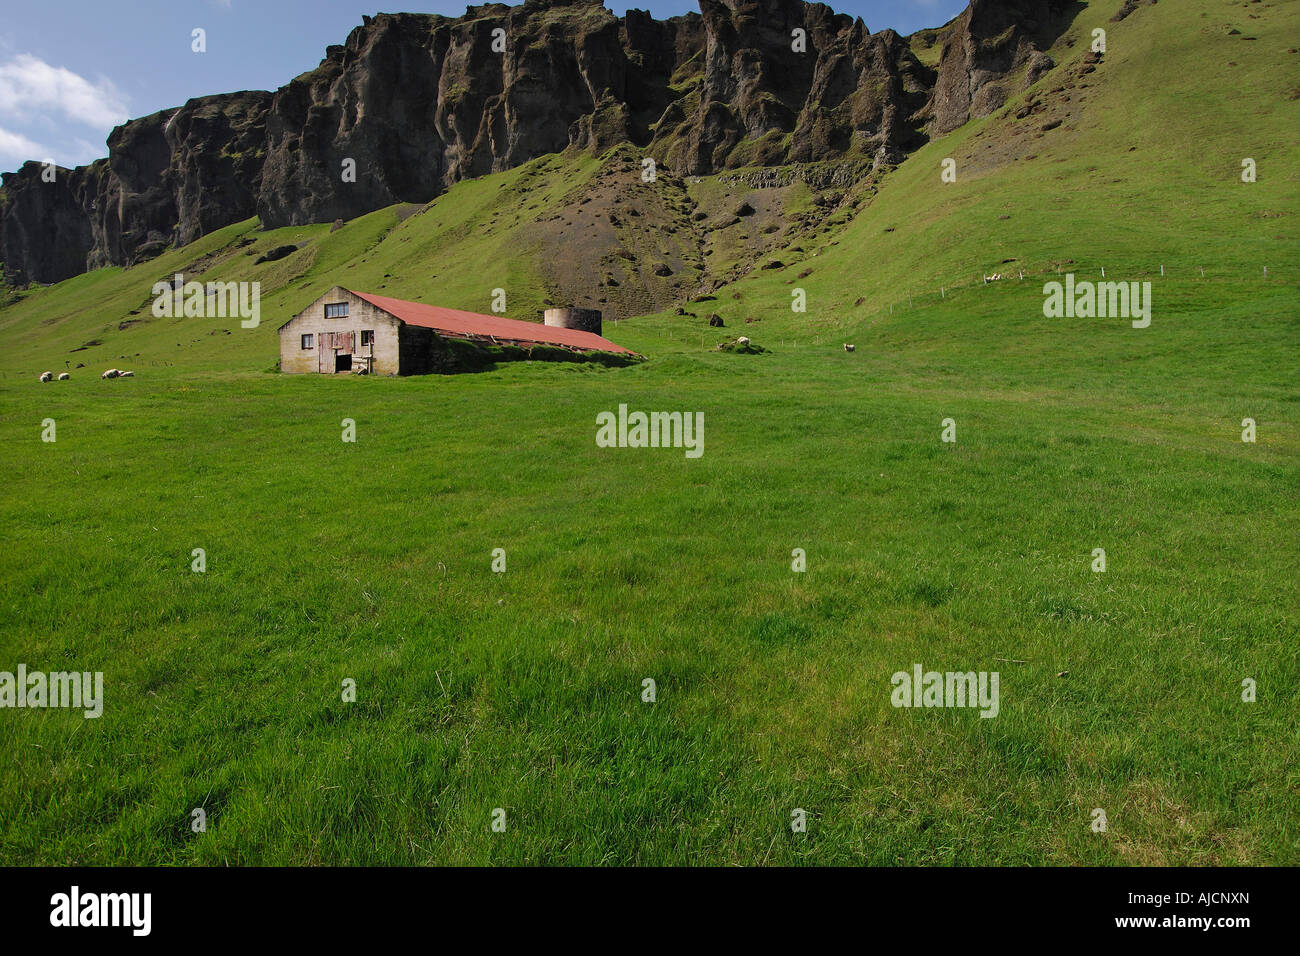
<point>1016,273</point>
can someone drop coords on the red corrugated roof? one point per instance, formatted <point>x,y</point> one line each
<point>455,322</point>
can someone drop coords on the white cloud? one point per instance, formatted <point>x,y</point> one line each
<point>84,151</point>
<point>16,149</point>
<point>30,86</point>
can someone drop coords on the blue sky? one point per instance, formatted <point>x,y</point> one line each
<point>70,70</point>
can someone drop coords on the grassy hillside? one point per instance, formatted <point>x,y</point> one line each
<point>449,253</point>
<point>522,690</point>
<point>1141,172</point>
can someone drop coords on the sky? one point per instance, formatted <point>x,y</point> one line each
<point>71,70</point>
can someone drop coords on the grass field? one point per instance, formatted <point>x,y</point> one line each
<point>522,690</point>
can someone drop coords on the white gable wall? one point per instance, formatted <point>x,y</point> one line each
<point>382,356</point>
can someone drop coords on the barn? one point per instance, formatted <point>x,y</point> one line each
<point>349,331</point>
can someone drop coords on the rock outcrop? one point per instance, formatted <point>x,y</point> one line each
<point>412,103</point>
<point>169,178</point>
<point>785,81</point>
<point>45,232</point>
<point>990,40</point>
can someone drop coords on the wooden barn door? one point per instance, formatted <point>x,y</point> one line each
<point>335,350</point>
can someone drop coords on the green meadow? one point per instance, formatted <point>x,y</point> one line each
<point>328,561</point>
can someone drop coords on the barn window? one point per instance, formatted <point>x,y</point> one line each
<point>336,310</point>
<point>308,341</point>
<point>367,337</point>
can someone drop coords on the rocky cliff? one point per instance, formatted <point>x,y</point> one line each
<point>168,179</point>
<point>412,103</point>
<point>990,41</point>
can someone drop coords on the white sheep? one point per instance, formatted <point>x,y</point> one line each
<point>742,341</point>
<point>64,376</point>
<point>47,376</point>
<point>847,347</point>
<point>126,374</point>
<point>111,373</point>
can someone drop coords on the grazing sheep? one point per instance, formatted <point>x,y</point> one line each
<point>47,376</point>
<point>111,373</point>
<point>742,341</point>
<point>847,347</point>
<point>64,376</point>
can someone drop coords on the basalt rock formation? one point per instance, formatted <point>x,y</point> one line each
<point>413,103</point>
<point>793,82</point>
<point>991,39</point>
<point>169,178</point>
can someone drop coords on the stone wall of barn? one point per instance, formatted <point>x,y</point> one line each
<point>416,348</point>
<point>383,357</point>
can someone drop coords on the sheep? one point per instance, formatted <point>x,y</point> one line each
<point>64,376</point>
<point>847,347</point>
<point>742,341</point>
<point>111,373</point>
<point>47,376</point>
<point>126,374</point>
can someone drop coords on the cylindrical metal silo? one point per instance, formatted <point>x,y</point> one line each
<point>585,320</point>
